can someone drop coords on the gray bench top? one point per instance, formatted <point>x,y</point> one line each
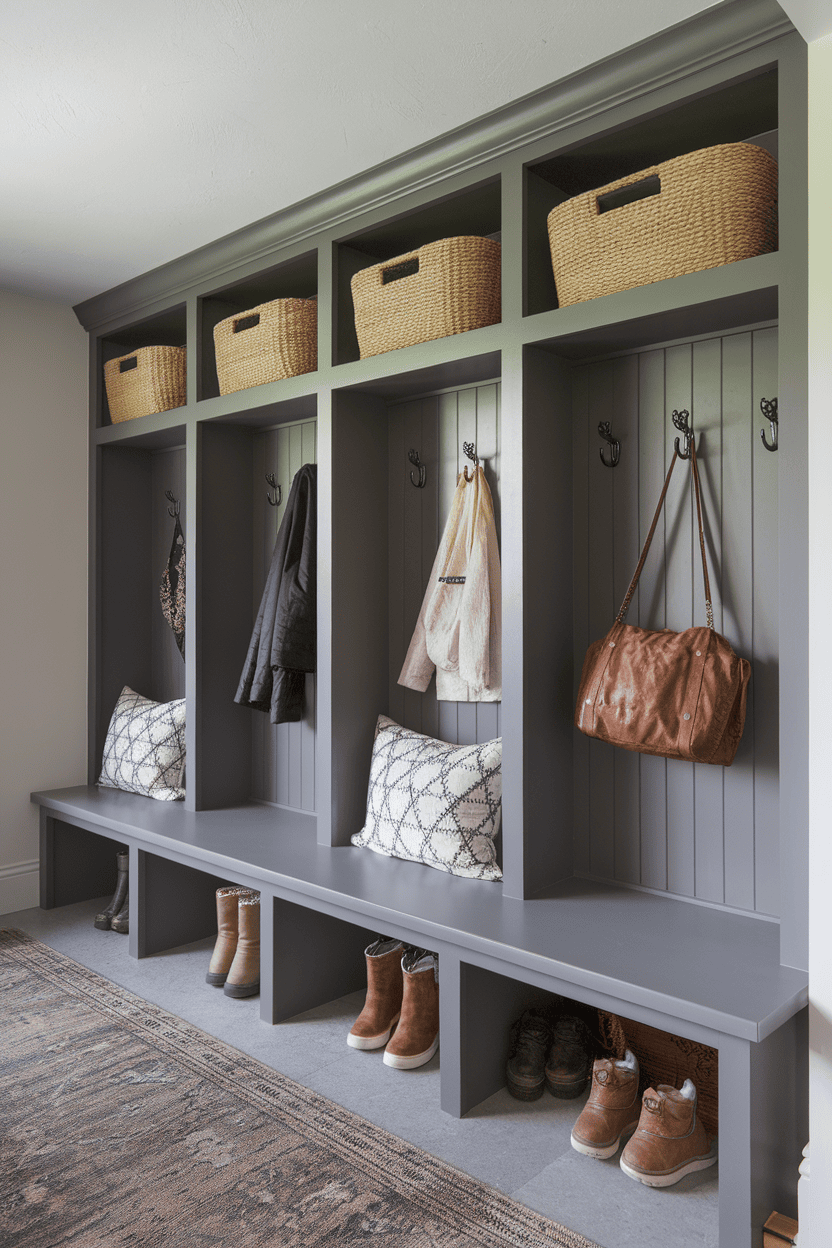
<point>695,963</point>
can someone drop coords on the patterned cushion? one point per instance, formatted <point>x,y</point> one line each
<point>435,803</point>
<point>145,747</point>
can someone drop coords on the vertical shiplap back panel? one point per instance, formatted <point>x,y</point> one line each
<point>436,426</point>
<point>697,831</point>
<point>167,664</point>
<point>283,755</point>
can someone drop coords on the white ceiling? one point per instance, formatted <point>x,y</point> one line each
<point>131,134</point>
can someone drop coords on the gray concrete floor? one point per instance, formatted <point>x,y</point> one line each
<point>522,1149</point>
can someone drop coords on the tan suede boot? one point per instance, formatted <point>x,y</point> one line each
<point>226,945</point>
<point>612,1110</point>
<point>243,978</point>
<point>416,1038</point>
<point>374,1025</point>
<point>670,1141</point>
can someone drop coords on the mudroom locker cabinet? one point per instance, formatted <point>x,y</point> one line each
<point>669,893</point>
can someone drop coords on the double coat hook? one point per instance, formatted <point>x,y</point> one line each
<point>174,510</point>
<point>273,502</point>
<point>614,444</point>
<point>413,456</point>
<point>470,451</point>
<point>769,409</point>
<point>684,424</point>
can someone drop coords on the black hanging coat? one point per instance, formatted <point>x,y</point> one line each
<point>283,645</point>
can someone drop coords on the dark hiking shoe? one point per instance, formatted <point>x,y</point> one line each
<point>531,1039</point>
<point>569,1063</point>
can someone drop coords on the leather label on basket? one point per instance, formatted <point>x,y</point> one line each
<point>400,270</point>
<point>629,194</point>
<point>126,365</point>
<point>247,322</point>
<point>453,580</point>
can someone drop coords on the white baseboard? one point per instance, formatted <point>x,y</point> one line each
<point>19,886</point>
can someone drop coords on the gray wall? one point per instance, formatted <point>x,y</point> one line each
<point>43,552</point>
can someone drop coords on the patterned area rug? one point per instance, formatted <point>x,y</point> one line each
<point>122,1125</point>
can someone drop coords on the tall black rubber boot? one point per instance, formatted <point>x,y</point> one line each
<point>104,920</point>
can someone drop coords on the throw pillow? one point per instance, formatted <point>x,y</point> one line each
<point>435,803</point>
<point>145,747</point>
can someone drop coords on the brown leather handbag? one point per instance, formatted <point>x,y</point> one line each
<point>678,695</point>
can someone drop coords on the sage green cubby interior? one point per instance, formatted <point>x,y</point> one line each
<point>664,892</point>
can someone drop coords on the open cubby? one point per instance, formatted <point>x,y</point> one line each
<point>669,894</point>
<point>166,329</point>
<point>476,210</point>
<point>296,278</point>
<point>744,110</point>
<point>134,644</point>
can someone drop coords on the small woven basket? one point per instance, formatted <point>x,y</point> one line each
<point>149,380</point>
<point>663,1058</point>
<point>443,288</point>
<point>694,212</point>
<point>268,343</point>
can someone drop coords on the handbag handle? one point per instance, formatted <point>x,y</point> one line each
<point>619,619</point>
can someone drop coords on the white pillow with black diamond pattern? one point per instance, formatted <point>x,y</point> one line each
<point>145,747</point>
<point>435,803</point>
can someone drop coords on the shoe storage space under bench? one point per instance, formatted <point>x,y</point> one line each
<point>710,976</point>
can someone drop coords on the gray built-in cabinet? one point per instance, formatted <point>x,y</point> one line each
<point>670,893</point>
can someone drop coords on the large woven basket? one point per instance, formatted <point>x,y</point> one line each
<point>443,288</point>
<point>664,1058</point>
<point>694,212</point>
<point>267,343</point>
<point>149,380</point>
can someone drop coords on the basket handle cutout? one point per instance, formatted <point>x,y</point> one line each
<point>126,365</point>
<point>247,322</point>
<point>397,271</point>
<point>644,189</point>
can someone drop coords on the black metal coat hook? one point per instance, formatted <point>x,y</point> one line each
<point>769,409</point>
<point>614,444</point>
<point>684,424</point>
<point>413,456</point>
<point>174,510</point>
<point>273,502</point>
<point>470,451</point>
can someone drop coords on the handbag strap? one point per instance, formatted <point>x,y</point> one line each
<point>619,619</point>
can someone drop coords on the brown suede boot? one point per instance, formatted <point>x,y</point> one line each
<point>243,979</point>
<point>612,1110</point>
<point>226,946</point>
<point>416,1038</point>
<point>670,1141</point>
<point>375,1023</point>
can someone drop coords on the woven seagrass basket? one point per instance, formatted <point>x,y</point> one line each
<point>443,288</point>
<point>694,212</point>
<point>664,1058</point>
<point>267,343</point>
<point>149,380</point>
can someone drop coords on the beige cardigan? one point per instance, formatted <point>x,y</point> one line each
<point>459,630</point>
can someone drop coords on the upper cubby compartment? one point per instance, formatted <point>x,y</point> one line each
<point>143,381</point>
<point>285,333</point>
<point>743,110</point>
<point>474,213</point>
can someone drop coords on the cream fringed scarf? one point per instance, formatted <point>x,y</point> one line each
<point>458,631</point>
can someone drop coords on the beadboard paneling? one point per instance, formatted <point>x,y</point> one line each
<point>436,427</point>
<point>693,830</point>
<point>283,755</point>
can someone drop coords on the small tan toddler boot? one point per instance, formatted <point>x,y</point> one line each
<point>613,1108</point>
<point>243,979</point>
<point>226,945</point>
<point>670,1141</point>
<point>416,1038</point>
<point>374,1025</point>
